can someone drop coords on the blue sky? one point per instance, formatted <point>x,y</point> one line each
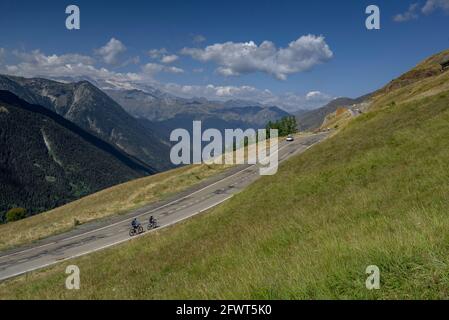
<point>180,45</point>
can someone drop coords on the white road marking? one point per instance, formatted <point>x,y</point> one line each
<point>140,215</point>
<point>130,219</point>
<point>114,243</point>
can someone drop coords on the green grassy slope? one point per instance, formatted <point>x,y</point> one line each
<point>374,194</point>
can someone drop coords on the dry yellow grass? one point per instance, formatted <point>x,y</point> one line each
<point>116,200</point>
<point>425,80</point>
<point>337,121</point>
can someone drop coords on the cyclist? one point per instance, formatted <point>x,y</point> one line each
<point>135,223</point>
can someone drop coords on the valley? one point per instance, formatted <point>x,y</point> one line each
<point>140,138</point>
<point>373,193</point>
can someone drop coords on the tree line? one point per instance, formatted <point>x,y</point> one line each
<point>285,126</point>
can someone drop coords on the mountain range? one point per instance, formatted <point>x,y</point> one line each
<point>91,109</point>
<point>170,112</point>
<point>309,120</point>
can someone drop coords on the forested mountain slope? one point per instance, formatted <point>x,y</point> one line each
<point>47,161</point>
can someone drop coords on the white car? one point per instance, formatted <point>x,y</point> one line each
<point>289,138</point>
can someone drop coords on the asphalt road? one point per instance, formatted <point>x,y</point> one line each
<point>109,232</point>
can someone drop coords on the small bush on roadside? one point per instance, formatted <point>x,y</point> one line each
<point>15,214</point>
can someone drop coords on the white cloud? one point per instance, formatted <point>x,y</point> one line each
<point>36,63</point>
<point>213,92</point>
<point>111,52</point>
<point>414,10</point>
<point>162,55</point>
<point>198,38</point>
<point>154,68</point>
<point>37,58</point>
<point>242,58</point>
<point>410,14</point>
<point>72,66</point>
<point>169,58</point>
<point>157,53</point>
<point>132,60</point>
<point>317,96</point>
<point>288,101</point>
<point>433,5</point>
<point>174,70</point>
<point>293,102</point>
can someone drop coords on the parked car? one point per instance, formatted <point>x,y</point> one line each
<point>289,138</point>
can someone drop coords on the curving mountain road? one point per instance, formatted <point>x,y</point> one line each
<point>109,232</point>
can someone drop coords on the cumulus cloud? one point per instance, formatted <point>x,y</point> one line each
<point>157,53</point>
<point>317,96</point>
<point>248,57</point>
<point>154,68</point>
<point>410,14</point>
<point>111,52</point>
<point>36,63</point>
<point>169,58</point>
<point>72,66</point>
<point>36,57</point>
<point>433,5</point>
<point>288,101</point>
<point>162,55</point>
<point>214,92</point>
<point>132,60</point>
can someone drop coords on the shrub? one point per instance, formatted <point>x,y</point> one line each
<point>15,214</point>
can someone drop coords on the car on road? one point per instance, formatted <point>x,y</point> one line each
<point>289,138</point>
